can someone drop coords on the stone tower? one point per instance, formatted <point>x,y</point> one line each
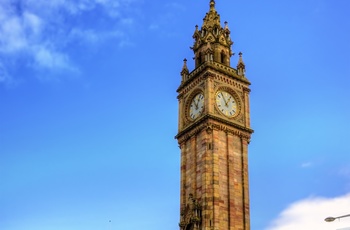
<point>213,133</point>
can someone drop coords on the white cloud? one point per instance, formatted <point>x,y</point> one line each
<point>12,37</point>
<point>39,32</point>
<point>176,6</point>
<point>50,59</point>
<point>166,18</point>
<point>345,171</point>
<point>311,212</point>
<point>112,7</point>
<point>33,22</point>
<point>127,21</point>
<point>4,76</point>
<point>306,165</point>
<point>93,37</point>
<point>153,26</point>
<point>22,35</point>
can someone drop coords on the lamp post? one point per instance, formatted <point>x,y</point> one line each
<point>331,219</point>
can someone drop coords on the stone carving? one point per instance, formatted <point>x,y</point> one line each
<point>191,215</point>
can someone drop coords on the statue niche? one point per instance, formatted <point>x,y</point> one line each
<point>191,215</point>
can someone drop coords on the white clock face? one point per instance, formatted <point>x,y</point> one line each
<point>197,106</point>
<point>226,103</point>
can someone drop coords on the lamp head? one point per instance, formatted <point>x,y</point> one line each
<point>330,219</point>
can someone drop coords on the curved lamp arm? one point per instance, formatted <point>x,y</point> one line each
<point>330,219</point>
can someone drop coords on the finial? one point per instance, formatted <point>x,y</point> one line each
<point>185,65</point>
<point>240,61</point>
<point>184,71</point>
<point>226,25</point>
<point>240,65</point>
<point>196,27</point>
<point>212,5</point>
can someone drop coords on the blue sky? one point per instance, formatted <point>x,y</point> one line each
<point>89,111</point>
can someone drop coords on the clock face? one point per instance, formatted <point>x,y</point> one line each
<point>226,103</point>
<point>197,106</point>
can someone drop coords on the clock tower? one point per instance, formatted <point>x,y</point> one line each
<point>213,133</point>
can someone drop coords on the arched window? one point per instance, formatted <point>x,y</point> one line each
<point>216,31</point>
<point>199,59</point>
<point>223,57</point>
<point>204,32</point>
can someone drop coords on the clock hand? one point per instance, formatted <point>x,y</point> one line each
<point>228,101</point>
<point>224,98</point>
<point>196,102</point>
<point>199,99</point>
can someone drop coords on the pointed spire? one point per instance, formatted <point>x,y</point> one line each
<point>212,17</point>
<point>184,72</point>
<point>240,58</point>
<point>212,41</point>
<point>240,65</point>
<point>212,5</point>
<point>184,67</point>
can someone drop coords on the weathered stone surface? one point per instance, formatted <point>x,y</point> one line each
<point>214,147</point>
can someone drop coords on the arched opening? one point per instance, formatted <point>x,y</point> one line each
<point>223,57</point>
<point>189,227</point>
<point>204,32</point>
<point>216,31</point>
<point>199,59</point>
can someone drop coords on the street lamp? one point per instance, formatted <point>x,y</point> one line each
<point>330,219</point>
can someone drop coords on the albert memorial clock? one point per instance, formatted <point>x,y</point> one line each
<point>213,133</point>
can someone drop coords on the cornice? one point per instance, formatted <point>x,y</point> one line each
<point>209,123</point>
<point>211,65</point>
<point>193,83</point>
<point>228,71</point>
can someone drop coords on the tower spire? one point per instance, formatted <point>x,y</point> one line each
<point>214,133</point>
<point>240,65</point>
<point>184,72</point>
<point>212,41</point>
<point>212,17</point>
<point>212,5</point>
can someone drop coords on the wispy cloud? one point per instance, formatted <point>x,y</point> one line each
<point>306,164</point>
<point>48,58</point>
<point>311,212</point>
<point>345,171</point>
<point>90,36</point>
<point>39,32</point>
<point>5,78</point>
<point>176,6</point>
<point>166,18</point>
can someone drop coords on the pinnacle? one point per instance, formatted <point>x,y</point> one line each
<point>240,61</point>
<point>212,17</point>
<point>212,5</point>
<point>240,65</point>
<point>184,70</point>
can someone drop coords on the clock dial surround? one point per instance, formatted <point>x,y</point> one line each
<point>226,103</point>
<point>196,106</point>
